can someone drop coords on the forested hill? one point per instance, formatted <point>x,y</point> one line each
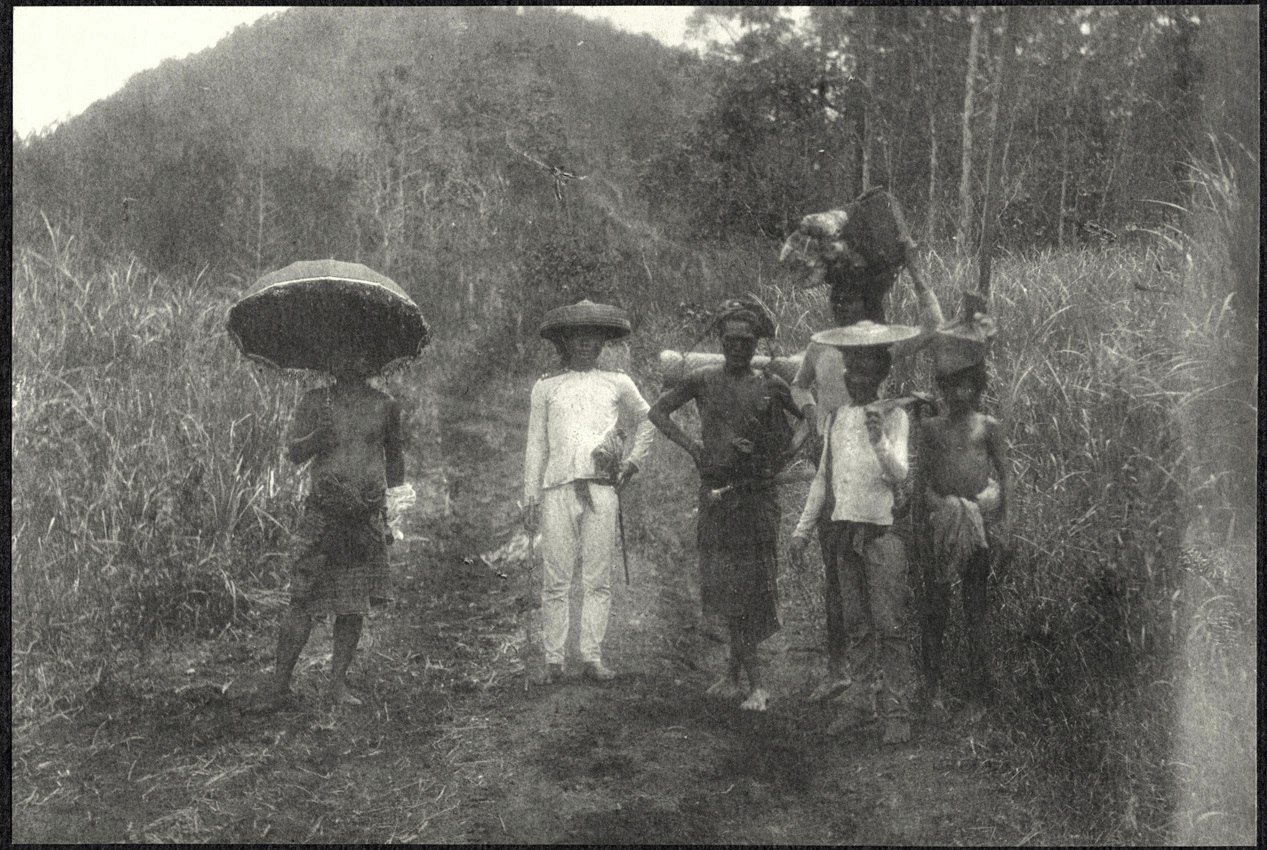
<point>480,153</point>
<point>290,136</point>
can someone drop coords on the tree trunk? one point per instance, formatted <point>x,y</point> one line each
<point>259,221</point>
<point>1064,147</point>
<point>868,81</point>
<point>965,170</point>
<point>1064,174</point>
<point>989,227</point>
<point>1119,153</point>
<point>930,105</point>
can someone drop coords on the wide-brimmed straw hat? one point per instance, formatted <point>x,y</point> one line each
<point>961,344</point>
<point>864,334</point>
<point>610,321</point>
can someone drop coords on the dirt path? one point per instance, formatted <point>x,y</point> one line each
<point>451,745</point>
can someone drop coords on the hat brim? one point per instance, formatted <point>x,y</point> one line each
<point>557,331</point>
<point>859,336</point>
<point>610,321</point>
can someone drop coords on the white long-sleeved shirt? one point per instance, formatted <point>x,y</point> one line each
<point>863,476</point>
<point>823,367</point>
<point>569,416</point>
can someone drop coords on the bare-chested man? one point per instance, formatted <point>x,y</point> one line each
<point>964,473</point>
<point>743,420</point>
<point>352,434</point>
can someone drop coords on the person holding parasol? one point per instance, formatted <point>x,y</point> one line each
<point>573,473</point>
<point>351,322</point>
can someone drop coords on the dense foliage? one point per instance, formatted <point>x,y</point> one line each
<point>424,139</point>
<point>495,163</point>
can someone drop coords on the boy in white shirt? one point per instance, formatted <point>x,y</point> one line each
<point>575,504</point>
<point>864,460</point>
<point>818,389</point>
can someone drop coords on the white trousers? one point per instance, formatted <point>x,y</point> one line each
<point>574,534</point>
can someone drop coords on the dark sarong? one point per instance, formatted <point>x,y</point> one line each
<point>738,557</point>
<point>339,550</point>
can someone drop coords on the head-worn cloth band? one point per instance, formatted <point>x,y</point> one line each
<point>749,311</point>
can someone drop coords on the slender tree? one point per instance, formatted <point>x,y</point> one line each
<point>989,227</point>
<point>964,231</point>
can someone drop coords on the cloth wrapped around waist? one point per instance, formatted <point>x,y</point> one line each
<point>737,538</point>
<point>339,497</point>
<point>339,549</point>
<point>957,526</point>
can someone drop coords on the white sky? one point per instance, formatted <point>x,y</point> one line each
<point>65,58</point>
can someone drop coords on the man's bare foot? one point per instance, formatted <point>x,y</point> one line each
<point>550,674</point>
<point>830,687</point>
<point>726,688</point>
<point>342,696</point>
<point>270,700</point>
<point>758,700</point>
<point>596,671</point>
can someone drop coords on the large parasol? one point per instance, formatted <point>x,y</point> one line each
<point>299,316</point>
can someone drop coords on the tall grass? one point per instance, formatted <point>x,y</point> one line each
<point>147,499</point>
<point>1124,618</point>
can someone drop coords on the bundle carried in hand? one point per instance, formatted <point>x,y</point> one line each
<point>609,453</point>
<point>399,500</point>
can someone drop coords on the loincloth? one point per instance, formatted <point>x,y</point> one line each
<point>957,528</point>
<point>339,552</point>
<point>738,557</point>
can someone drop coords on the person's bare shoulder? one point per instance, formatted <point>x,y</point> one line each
<point>310,403</point>
<point>699,377</point>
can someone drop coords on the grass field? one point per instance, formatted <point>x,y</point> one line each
<point>150,501</point>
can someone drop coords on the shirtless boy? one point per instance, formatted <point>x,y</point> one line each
<point>352,434</point>
<point>965,485</point>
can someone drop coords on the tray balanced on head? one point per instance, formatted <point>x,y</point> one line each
<point>298,317</point>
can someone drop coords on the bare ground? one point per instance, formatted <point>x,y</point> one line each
<point>453,744</point>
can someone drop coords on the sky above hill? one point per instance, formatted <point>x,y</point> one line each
<point>65,58</point>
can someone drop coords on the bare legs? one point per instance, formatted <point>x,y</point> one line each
<point>292,636</point>
<point>743,656</point>
<point>347,633</point>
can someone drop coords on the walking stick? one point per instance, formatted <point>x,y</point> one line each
<point>620,523</point>
<point>529,613</point>
<point>607,457</point>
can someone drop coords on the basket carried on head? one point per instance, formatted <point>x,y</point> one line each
<point>858,250</point>
<point>877,230</point>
